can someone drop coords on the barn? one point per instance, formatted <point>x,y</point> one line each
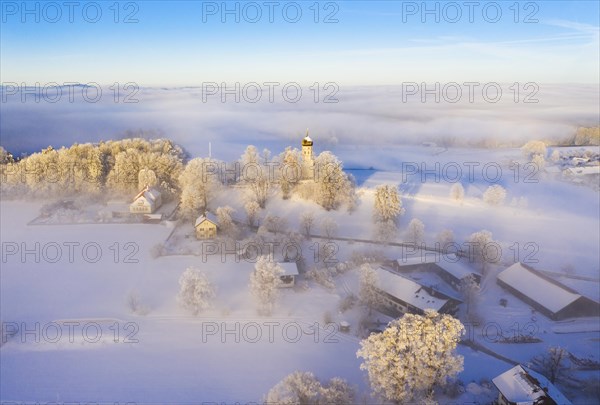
<point>548,296</point>
<point>448,267</point>
<point>401,295</point>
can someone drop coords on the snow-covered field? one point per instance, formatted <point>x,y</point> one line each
<point>80,278</point>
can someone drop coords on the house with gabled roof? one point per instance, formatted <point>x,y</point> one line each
<point>147,201</point>
<point>206,226</point>
<point>548,296</point>
<point>522,386</point>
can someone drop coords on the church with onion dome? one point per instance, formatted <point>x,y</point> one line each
<point>308,162</point>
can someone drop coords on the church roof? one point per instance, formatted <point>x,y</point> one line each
<point>307,141</point>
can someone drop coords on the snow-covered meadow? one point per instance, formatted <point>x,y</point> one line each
<point>84,274</point>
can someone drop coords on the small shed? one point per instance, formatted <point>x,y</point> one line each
<point>290,272</point>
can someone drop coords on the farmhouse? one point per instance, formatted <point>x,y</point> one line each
<point>146,201</point>
<point>545,294</point>
<point>401,295</point>
<point>522,386</point>
<point>448,267</point>
<point>206,226</point>
<point>290,272</point>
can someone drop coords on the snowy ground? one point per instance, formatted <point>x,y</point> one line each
<point>169,356</point>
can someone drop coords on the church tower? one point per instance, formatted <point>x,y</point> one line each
<point>307,156</point>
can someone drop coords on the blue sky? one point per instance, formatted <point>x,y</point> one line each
<point>372,43</point>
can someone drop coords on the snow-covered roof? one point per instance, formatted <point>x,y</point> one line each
<point>451,265</point>
<point>415,260</point>
<point>523,386</point>
<point>150,194</point>
<point>583,170</point>
<point>407,290</point>
<point>206,217</point>
<point>546,293</point>
<point>289,268</point>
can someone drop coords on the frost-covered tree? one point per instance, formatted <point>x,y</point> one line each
<point>445,238</point>
<point>303,388</point>
<point>385,231</point>
<point>198,185</point>
<point>252,209</point>
<point>250,157</point>
<point>369,282</point>
<point>5,157</point>
<point>539,162</point>
<point>264,283</point>
<point>334,187</point>
<point>533,148</point>
<point>307,220</point>
<point>275,224</point>
<point>412,356</point>
<point>329,228</point>
<point>587,136</point>
<point>457,192</point>
<point>469,288</point>
<point>146,177</point>
<point>196,291</point>
<point>225,221</point>
<point>553,363</point>
<point>555,156</point>
<point>482,249</point>
<point>290,171</point>
<point>124,176</point>
<point>494,195</point>
<point>415,232</point>
<point>388,205</point>
<point>256,175</point>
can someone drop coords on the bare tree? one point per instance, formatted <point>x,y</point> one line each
<point>469,288</point>
<point>415,233</point>
<point>369,295</point>
<point>307,219</point>
<point>553,362</point>
<point>275,224</point>
<point>252,209</point>
<point>264,282</point>
<point>329,228</point>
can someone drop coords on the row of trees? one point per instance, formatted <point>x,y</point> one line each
<point>112,166</point>
<point>122,167</point>
<point>262,176</point>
